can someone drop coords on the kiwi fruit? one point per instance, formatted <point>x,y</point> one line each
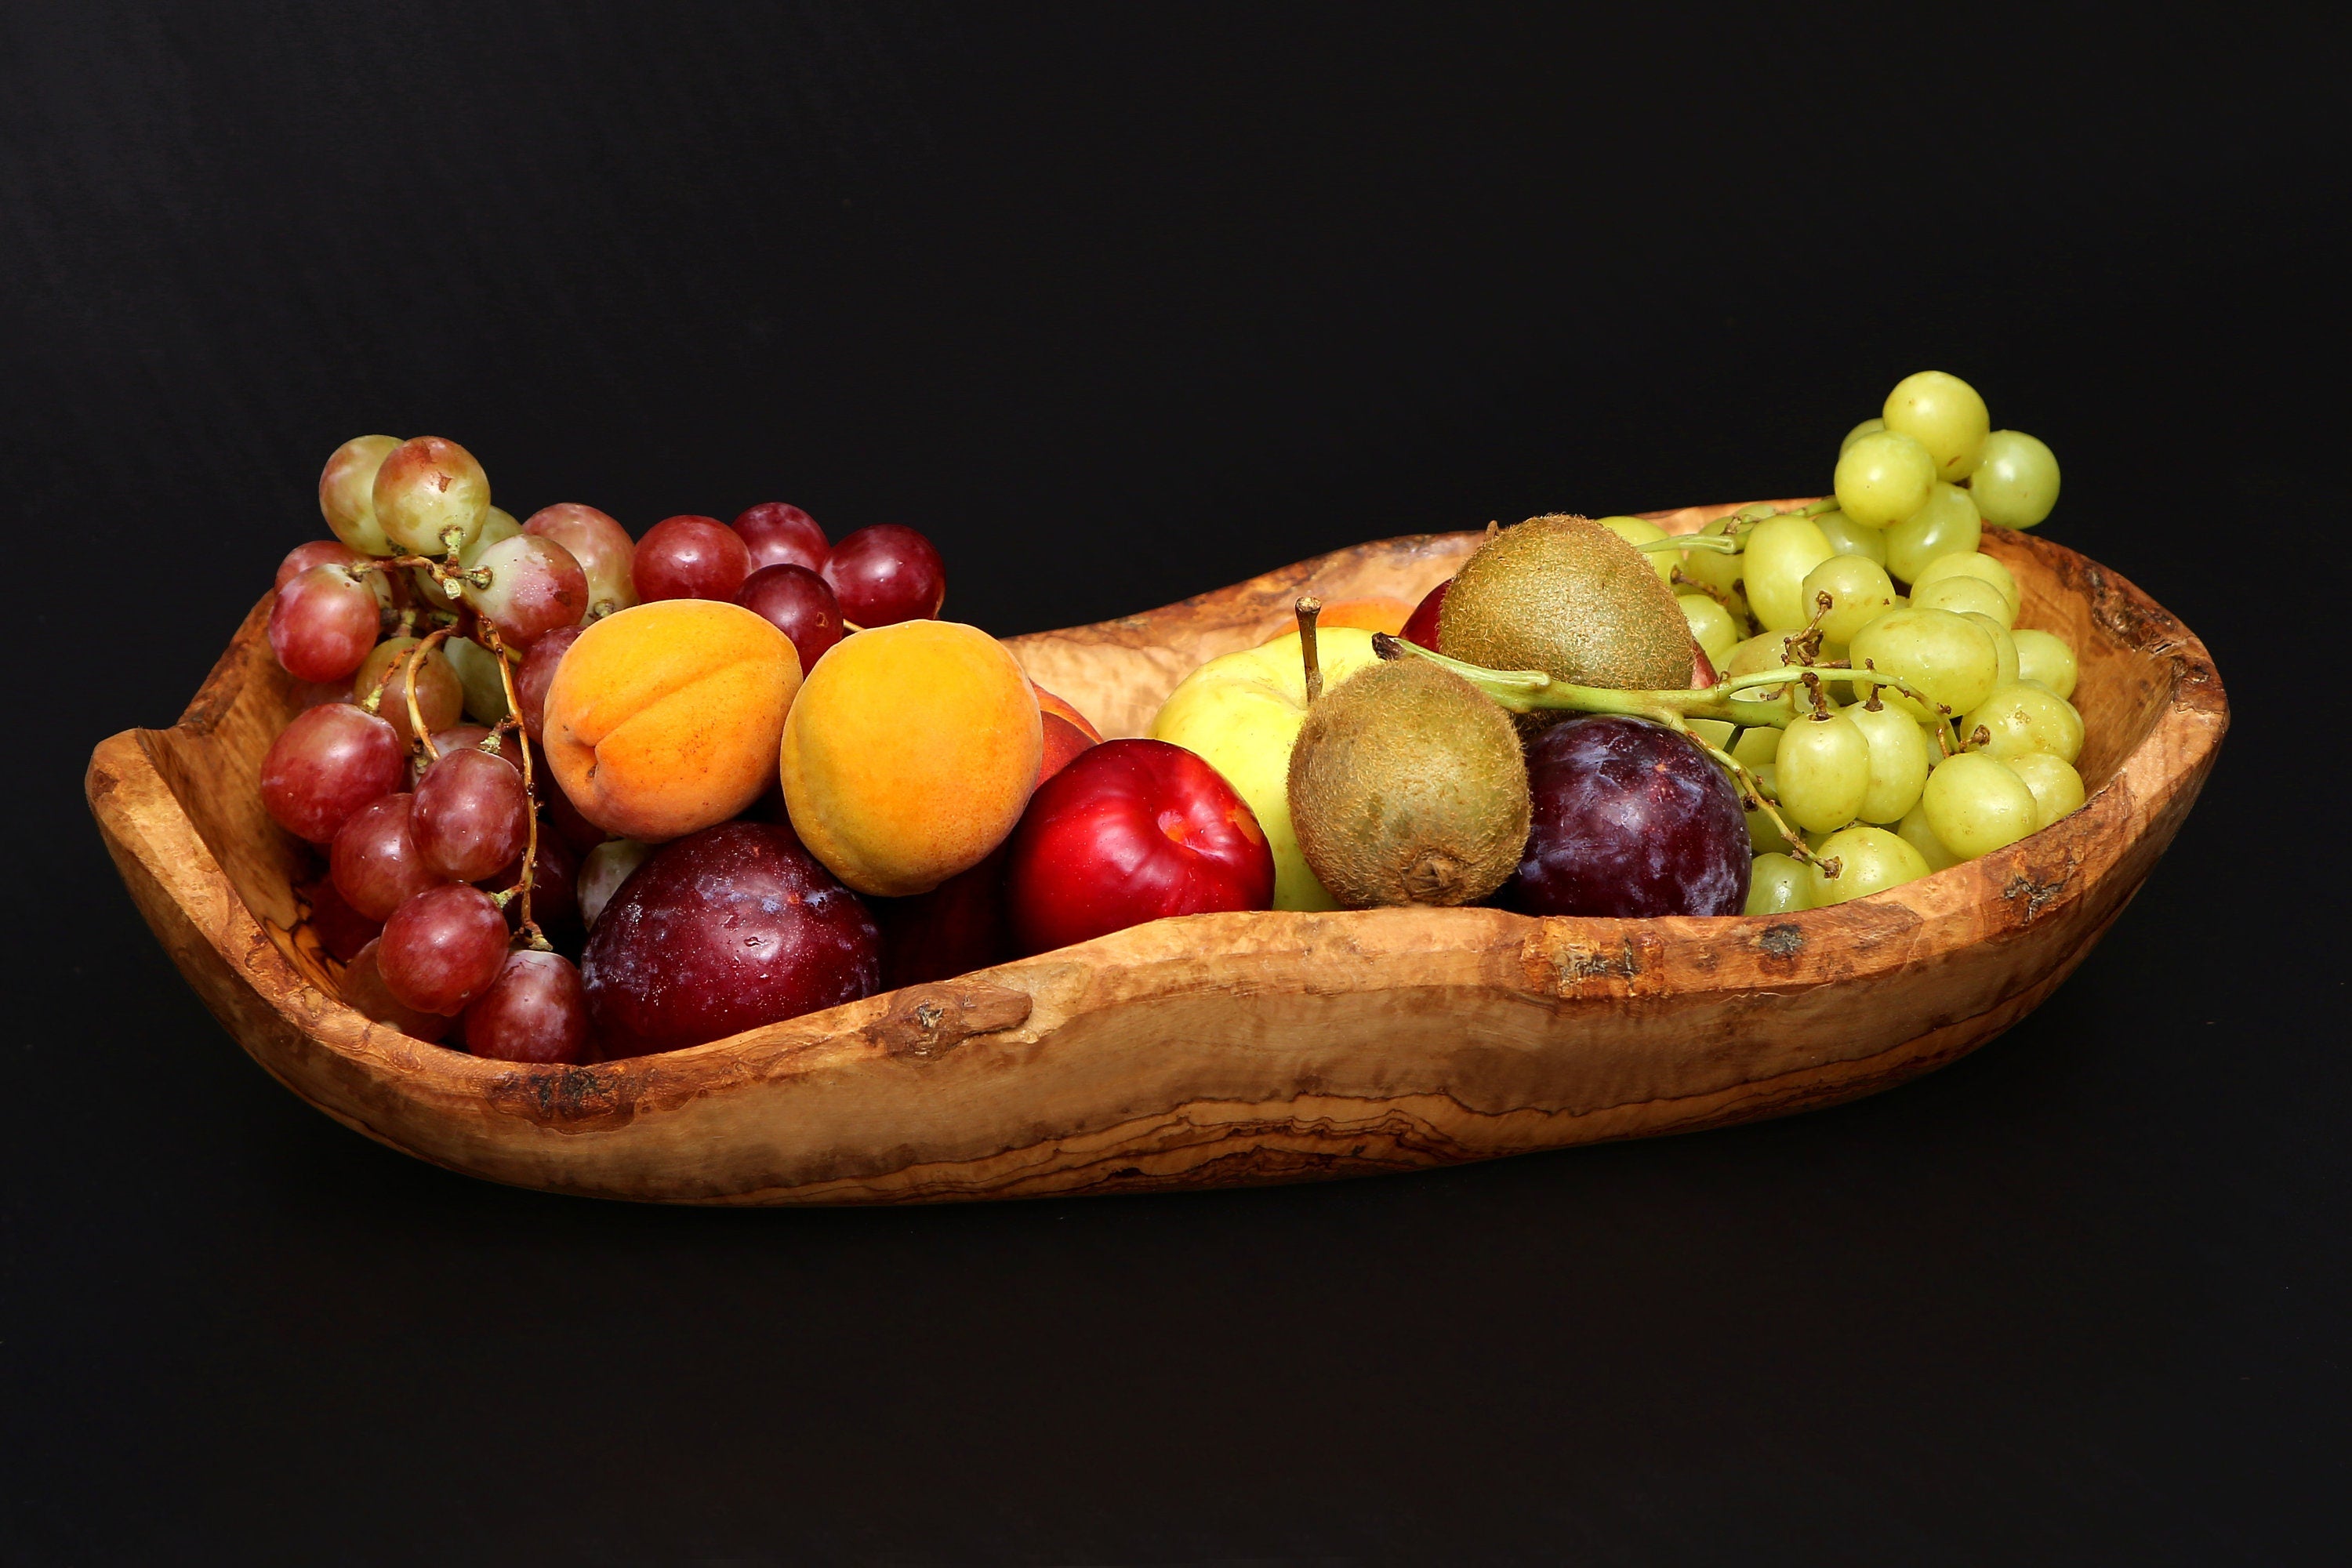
<point>1408,786</point>
<point>1565,595</point>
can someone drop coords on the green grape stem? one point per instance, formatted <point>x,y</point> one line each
<point>1752,796</point>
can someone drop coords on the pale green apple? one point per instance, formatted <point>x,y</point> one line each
<point>1241,714</point>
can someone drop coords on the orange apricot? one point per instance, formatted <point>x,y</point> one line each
<point>1370,615</point>
<point>664,719</point>
<point>910,754</point>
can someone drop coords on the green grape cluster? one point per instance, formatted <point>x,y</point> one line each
<point>1970,744</point>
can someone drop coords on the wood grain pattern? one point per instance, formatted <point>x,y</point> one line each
<point>1221,1049</point>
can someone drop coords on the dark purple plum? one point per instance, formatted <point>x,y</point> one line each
<point>723,931</point>
<point>1631,819</point>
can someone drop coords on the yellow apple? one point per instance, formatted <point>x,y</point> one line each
<point>1241,714</point>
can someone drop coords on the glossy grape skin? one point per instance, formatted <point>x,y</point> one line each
<point>690,557</point>
<point>442,948</point>
<point>535,1010</point>
<point>797,602</point>
<point>2018,719</point>
<point>347,493</point>
<point>724,931</point>
<point>1711,625</point>
<point>1130,831</point>
<point>779,534</point>
<point>602,870</point>
<point>1868,859</point>
<point>1630,819</point>
<point>341,928</point>
<point>554,886</point>
<point>1848,537</point>
<point>1900,756</point>
<point>324,623</point>
<point>2046,659</point>
<point>430,495</point>
<point>1945,524</point>
<point>1943,414</point>
<point>2016,480</point>
<point>1963,596</point>
<point>1947,657</point>
<point>1822,772</point>
<point>440,696</point>
<point>373,861</point>
<point>1983,568</point>
<point>1974,805</point>
<point>333,553</point>
<point>1421,627</point>
<point>327,764</point>
<point>1859,593</point>
<point>536,674</point>
<point>1764,835</point>
<point>449,740</point>
<point>885,575</point>
<point>2057,787</point>
<point>1778,885</point>
<point>535,587</point>
<point>365,993</point>
<point>2004,648</point>
<point>1640,531</point>
<point>601,547</point>
<point>1914,830</point>
<point>1867,427</point>
<point>471,816</point>
<point>1884,478</point>
<point>1781,551</point>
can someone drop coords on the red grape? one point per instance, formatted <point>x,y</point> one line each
<point>442,949</point>
<point>723,931</point>
<point>342,930</point>
<point>537,674</point>
<point>440,696</point>
<point>577,830</point>
<point>1631,819</point>
<point>795,601</point>
<point>455,738</point>
<point>535,587</point>
<point>782,535</point>
<point>430,496</point>
<point>317,553</point>
<point>885,575</point>
<point>554,886</point>
<point>326,764</point>
<point>601,546</point>
<point>535,1010</point>
<point>374,862</point>
<point>690,557</point>
<point>365,993</point>
<point>311,693</point>
<point>471,815</point>
<point>347,492</point>
<point>1422,626</point>
<point>324,623</point>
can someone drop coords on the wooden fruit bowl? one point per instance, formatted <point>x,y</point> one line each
<point>1216,1050</point>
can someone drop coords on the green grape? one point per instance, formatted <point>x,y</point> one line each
<point>1914,830</point>
<point>430,495</point>
<point>1945,415</point>
<point>2046,659</point>
<point>1767,650</point>
<point>1947,524</point>
<point>1710,623</point>
<point>1963,596</point>
<point>1778,885</point>
<point>477,673</point>
<point>1635,530</point>
<point>1822,772</point>
<point>1883,478</point>
<point>1944,655</point>
<point>1763,832</point>
<point>1975,805</point>
<point>1973,564</point>
<point>1858,591</point>
<point>1780,551</point>
<point>347,493</point>
<point>2016,480</point>
<point>1869,860</point>
<point>1717,571</point>
<point>1756,746</point>
<point>2057,787</point>
<point>1900,754</point>
<point>2021,717</point>
<point>1848,537</point>
<point>2004,648</point>
<point>1867,427</point>
<point>1716,733</point>
<point>497,524</point>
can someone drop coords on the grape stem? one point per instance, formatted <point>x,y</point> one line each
<point>1752,796</point>
<point>1307,608</point>
<point>530,932</point>
<point>408,673</point>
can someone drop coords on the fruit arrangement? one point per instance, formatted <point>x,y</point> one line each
<point>577,797</point>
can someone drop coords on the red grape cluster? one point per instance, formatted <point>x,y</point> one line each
<point>454,864</point>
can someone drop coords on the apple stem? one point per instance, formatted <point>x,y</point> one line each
<point>1307,608</point>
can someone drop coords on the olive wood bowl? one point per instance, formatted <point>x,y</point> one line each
<point>1214,1050</point>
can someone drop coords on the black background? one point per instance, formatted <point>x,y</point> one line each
<point>1120,305</point>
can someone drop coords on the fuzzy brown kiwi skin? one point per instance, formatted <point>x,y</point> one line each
<point>1408,786</point>
<point>1564,595</point>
